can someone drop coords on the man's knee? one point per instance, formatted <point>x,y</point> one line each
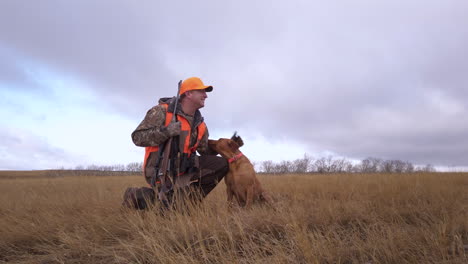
<point>214,163</point>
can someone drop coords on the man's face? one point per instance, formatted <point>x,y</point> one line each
<point>197,98</point>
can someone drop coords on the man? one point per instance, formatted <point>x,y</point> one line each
<point>200,173</point>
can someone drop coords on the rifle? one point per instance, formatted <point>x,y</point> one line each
<point>166,183</point>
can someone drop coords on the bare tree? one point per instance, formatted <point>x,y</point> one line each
<point>324,165</point>
<point>388,166</point>
<point>426,168</point>
<point>339,165</point>
<point>377,164</point>
<point>409,168</point>
<point>399,166</point>
<point>365,166</point>
<point>283,167</point>
<point>134,167</point>
<point>267,166</point>
<point>92,167</point>
<point>370,165</point>
<point>301,165</point>
<point>350,168</point>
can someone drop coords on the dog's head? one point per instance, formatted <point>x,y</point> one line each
<point>226,147</point>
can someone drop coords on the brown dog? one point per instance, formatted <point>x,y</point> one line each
<point>241,181</point>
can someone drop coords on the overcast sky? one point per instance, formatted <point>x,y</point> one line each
<point>354,79</point>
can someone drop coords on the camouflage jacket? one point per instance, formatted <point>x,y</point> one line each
<point>152,132</point>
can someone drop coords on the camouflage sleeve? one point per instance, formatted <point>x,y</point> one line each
<point>151,131</point>
<point>203,147</point>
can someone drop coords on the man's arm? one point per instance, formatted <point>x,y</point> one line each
<point>203,147</point>
<point>151,131</point>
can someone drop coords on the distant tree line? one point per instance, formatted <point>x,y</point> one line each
<point>330,164</point>
<point>130,167</point>
<point>306,164</point>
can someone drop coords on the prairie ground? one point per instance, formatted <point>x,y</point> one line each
<point>328,218</point>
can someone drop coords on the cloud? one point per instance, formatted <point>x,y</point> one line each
<point>22,150</point>
<point>358,79</point>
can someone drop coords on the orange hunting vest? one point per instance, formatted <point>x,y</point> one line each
<point>185,126</point>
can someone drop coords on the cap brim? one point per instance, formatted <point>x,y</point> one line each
<point>209,89</point>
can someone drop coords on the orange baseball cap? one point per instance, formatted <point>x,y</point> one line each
<point>194,83</point>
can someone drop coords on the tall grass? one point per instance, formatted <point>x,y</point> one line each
<point>355,218</point>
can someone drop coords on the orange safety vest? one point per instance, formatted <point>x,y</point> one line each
<point>185,126</point>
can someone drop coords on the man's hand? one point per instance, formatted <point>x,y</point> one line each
<point>173,129</point>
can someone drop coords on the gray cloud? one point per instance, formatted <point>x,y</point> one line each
<point>385,79</point>
<point>21,150</point>
<point>11,72</point>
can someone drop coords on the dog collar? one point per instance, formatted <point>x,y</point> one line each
<point>236,157</point>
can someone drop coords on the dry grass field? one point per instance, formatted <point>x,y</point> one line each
<point>346,218</point>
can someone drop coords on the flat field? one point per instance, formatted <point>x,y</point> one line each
<point>319,218</point>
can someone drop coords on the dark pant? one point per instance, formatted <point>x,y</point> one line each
<point>212,171</point>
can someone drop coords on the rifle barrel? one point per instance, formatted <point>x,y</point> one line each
<point>167,151</point>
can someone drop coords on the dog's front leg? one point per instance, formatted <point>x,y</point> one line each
<point>250,196</point>
<point>230,195</point>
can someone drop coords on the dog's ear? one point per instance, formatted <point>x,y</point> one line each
<point>237,139</point>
